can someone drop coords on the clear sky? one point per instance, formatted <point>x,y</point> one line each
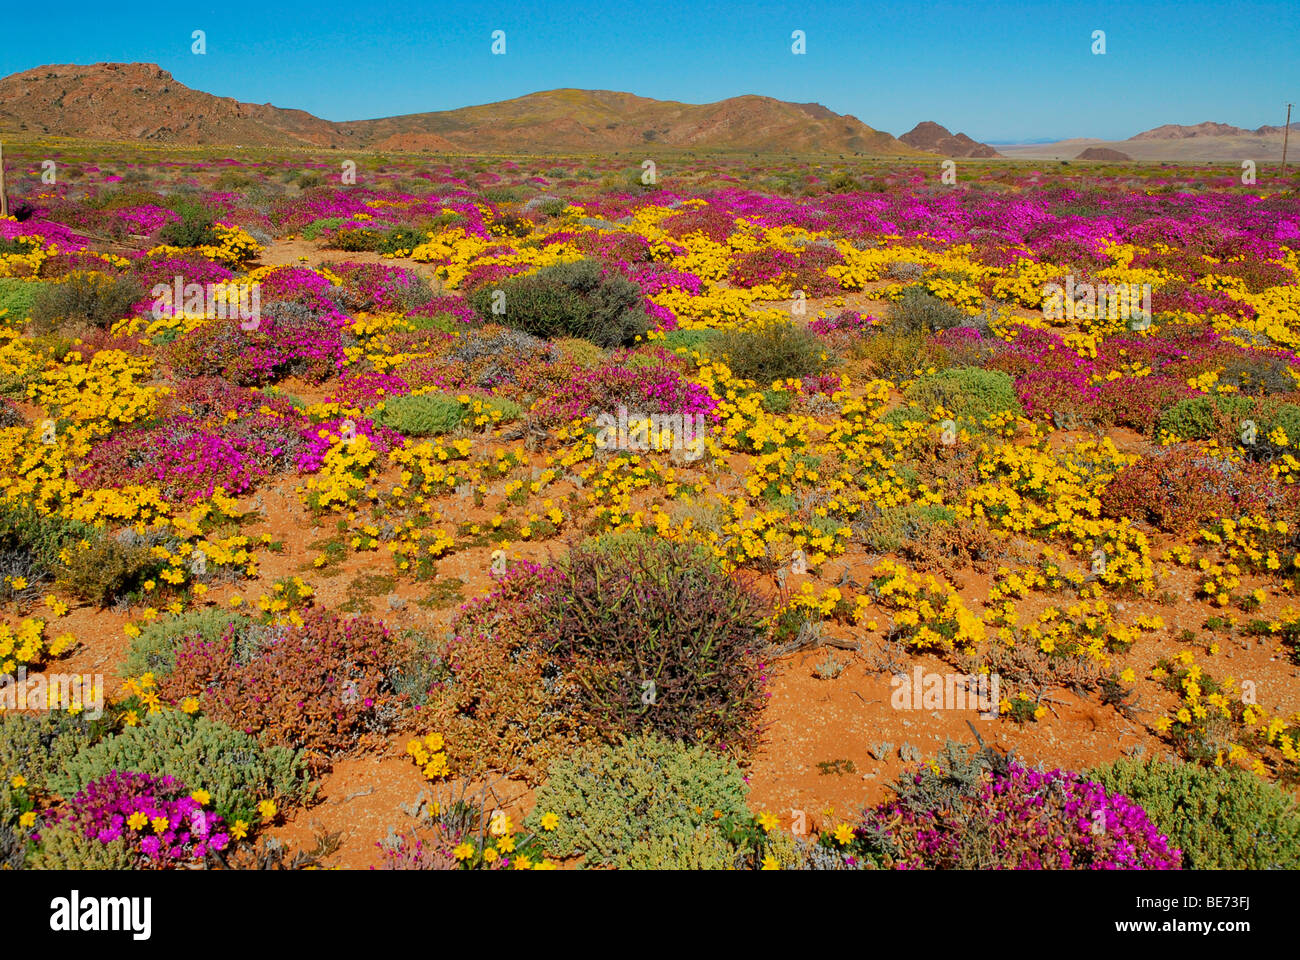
<point>994,69</point>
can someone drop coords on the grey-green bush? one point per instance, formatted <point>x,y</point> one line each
<point>84,298</point>
<point>40,746</point>
<point>969,394</point>
<point>625,804</point>
<point>154,650</point>
<point>776,351</point>
<point>569,300</point>
<point>1221,818</point>
<point>420,415</point>
<point>65,847</point>
<point>231,765</point>
<point>17,297</point>
<point>920,311</point>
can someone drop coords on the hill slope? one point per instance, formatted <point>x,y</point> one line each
<point>607,120</point>
<point>139,101</point>
<point>932,138</point>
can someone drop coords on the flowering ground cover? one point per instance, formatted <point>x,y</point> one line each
<point>493,514</point>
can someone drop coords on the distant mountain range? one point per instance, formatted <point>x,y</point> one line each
<point>143,102</point>
<point>1173,131</point>
<point>1201,142</point>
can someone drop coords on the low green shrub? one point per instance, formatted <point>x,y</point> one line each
<point>86,298</point>
<point>38,536</point>
<point>420,415</point>
<point>401,240</point>
<point>356,240</point>
<point>636,802</point>
<point>775,351</point>
<point>316,227</point>
<point>432,321</point>
<point>65,847</point>
<point>39,746</point>
<point>582,353</point>
<point>193,229</point>
<point>105,569</point>
<point>231,765</point>
<point>694,848</point>
<point>690,340</point>
<point>569,300</point>
<point>920,311</point>
<point>17,297</point>
<point>1225,418</point>
<point>890,528</point>
<point>509,410</point>
<point>969,394</point>
<point>154,650</point>
<point>777,401</point>
<point>899,355</point>
<point>1221,818</point>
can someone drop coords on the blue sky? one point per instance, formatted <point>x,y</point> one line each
<point>996,70</point>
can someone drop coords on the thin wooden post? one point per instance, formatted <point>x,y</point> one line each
<point>4,201</point>
<point>1286,135</point>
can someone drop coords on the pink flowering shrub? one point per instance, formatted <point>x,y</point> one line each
<point>805,270</point>
<point>283,343</point>
<point>162,824</point>
<point>845,322</point>
<point>1001,814</point>
<point>604,389</point>
<point>363,390</point>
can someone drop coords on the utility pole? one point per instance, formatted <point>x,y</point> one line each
<point>1286,135</point>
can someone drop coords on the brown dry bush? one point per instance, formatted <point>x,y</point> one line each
<point>325,687</point>
<point>506,705</point>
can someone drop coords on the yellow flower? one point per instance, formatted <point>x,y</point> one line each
<point>489,855</point>
<point>18,782</point>
<point>768,821</point>
<point>190,704</point>
<point>159,824</point>
<point>201,797</point>
<point>769,863</point>
<point>240,830</point>
<point>464,851</point>
<point>267,809</point>
<point>27,820</point>
<point>549,821</point>
<point>843,834</point>
<point>137,821</point>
